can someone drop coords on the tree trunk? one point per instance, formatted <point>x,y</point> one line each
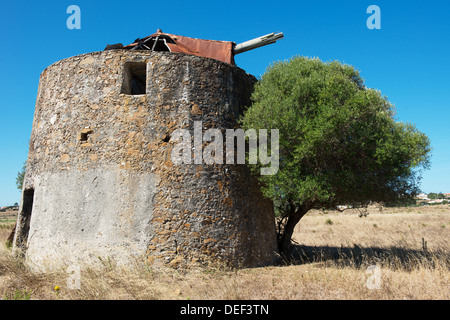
<point>284,240</point>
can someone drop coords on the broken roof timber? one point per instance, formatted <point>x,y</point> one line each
<point>219,50</point>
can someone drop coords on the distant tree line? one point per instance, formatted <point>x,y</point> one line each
<point>433,195</point>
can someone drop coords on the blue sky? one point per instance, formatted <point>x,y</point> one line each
<point>407,59</point>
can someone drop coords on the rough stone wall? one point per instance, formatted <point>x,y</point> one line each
<point>100,166</point>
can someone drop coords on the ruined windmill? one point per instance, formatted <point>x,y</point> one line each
<point>99,179</point>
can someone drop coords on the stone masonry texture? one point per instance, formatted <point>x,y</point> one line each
<point>100,174</point>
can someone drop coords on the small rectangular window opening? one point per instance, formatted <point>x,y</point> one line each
<point>135,78</point>
<point>83,136</point>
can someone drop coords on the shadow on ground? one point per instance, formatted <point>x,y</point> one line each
<point>358,257</point>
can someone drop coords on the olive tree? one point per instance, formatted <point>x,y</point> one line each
<point>339,141</point>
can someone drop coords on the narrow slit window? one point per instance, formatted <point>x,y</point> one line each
<point>135,78</point>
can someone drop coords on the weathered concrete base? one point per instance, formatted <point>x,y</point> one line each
<point>84,216</point>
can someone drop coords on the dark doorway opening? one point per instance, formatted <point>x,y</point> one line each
<point>25,218</point>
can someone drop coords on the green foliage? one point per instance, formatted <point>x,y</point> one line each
<point>18,295</point>
<point>21,176</point>
<point>340,143</point>
<point>8,244</point>
<point>433,195</point>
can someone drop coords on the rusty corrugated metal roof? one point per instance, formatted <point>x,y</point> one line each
<point>219,50</point>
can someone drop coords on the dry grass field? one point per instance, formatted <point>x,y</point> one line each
<point>393,253</point>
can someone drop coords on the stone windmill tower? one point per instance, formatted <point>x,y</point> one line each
<point>100,181</point>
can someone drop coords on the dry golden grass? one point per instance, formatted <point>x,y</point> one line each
<point>334,251</point>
